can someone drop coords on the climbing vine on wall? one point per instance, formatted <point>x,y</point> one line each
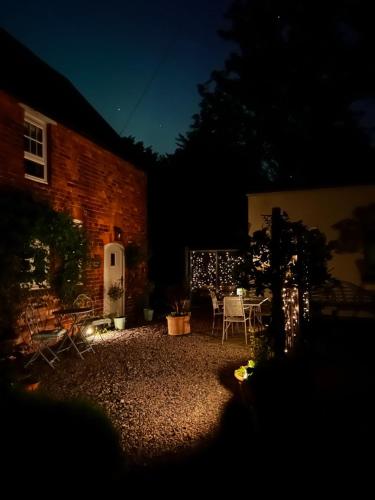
<point>40,248</point>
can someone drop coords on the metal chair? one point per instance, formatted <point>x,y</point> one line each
<point>77,319</point>
<point>83,300</point>
<point>92,322</point>
<point>235,313</point>
<point>41,339</point>
<point>217,309</point>
<point>85,329</point>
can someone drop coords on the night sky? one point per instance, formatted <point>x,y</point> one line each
<point>137,62</point>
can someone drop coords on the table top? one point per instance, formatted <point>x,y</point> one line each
<point>252,301</point>
<point>74,310</point>
<point>248,301</point>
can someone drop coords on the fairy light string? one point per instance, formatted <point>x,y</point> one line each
<point>216,268</point>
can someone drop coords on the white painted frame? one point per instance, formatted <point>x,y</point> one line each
<point>110,275</point>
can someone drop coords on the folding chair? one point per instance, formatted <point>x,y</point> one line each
<point>85,330</point>
<point>41,339</point>
<point>83,300</point>
<point>91,322</point>
<point>217,309</point>
<point>235,313</point>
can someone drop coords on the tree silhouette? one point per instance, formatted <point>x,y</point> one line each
<point>137,153</point>
<point>280,112</point>
<point>295,239</point>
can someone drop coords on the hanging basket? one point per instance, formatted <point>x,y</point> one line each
<point>178,325</point>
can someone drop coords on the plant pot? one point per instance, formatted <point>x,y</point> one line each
<point>148,313</point>
<point>28,383</point>
<point>32,385</point>
<point>119,323</point>
<point>178,325</point>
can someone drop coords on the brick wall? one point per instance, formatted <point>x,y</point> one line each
<point>89,182</point>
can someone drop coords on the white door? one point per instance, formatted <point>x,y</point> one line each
<point>114,273</point>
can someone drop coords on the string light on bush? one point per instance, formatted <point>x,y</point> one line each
<point>306,306</point>
<point>291,315</point>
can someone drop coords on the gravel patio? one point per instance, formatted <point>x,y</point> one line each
<point>148,407</point>
<point>164,395</point>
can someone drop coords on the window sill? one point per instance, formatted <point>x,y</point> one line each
<point>36,179</point>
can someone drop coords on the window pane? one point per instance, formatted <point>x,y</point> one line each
<point>39,134</point>
<point>26,144</point>
<point>33,147</point>
<point>33,131</point>
<point>34,169</point>
<point>39,150</point>
<point>113,259</point>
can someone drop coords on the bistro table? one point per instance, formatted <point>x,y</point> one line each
<point>75,319</point>
<point>255,316</point>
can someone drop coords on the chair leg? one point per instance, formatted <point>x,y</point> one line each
<point>42,354</point>
<point>33,358</point>
<point>49,361</point>
<point>225,333</point>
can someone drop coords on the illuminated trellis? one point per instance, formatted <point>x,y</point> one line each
<point>212,268</point>
<point>227,263</point>
<point>216,269</point>
<point>203,269</point>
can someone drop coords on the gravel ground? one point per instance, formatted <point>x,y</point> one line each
<point>167,396</point>
<point>164,395</point>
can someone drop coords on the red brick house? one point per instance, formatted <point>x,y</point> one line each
<point>54,144</point>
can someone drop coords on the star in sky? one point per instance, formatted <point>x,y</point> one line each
<point>150,56</point>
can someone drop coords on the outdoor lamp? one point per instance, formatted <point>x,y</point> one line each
<point>118,233</point>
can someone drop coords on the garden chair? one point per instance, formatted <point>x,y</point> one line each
<point>235,313</point>
<point>93,320</point>
<point>77,320</point>
<point>84,300</point>
<point>42,340</point>
<point>86,330</point>
<point>217,309</point>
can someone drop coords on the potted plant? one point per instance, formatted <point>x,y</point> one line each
<point>179,319</point>
<point>115,293</point>
<point>148,310</point>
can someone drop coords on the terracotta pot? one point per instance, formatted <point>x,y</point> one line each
<point>178,325</point>
<point>32,386</point>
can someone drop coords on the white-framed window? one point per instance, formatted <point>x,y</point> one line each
<point>35,147</point>
<point>35,144</point>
